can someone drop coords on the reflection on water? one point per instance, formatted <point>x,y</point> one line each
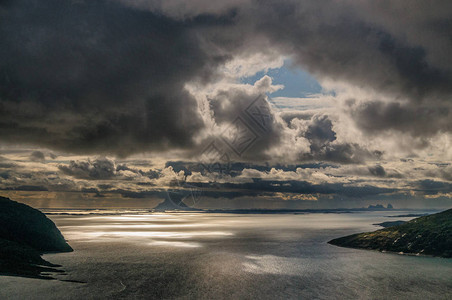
<point>148,234</point>
<point>271,264</point>
<point>150,229</point>
<point>227,256</point>
<point>175,244</point>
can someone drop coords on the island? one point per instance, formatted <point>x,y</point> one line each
<point>427,235</point>
<point>26,234</point>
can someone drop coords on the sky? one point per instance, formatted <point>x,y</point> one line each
<point>226,104</point>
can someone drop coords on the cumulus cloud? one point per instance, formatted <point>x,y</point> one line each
<point>417,120</point>
<point>99,77</point>
<point>98,169</point>
<point>118,78</point>
<point>243,181</point>
<point>104,169</point>
<point>37,156</point>
<point>111,76</point>
<point>377,171</point>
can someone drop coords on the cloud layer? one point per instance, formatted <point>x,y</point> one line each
<point>111,76</point>
<point>120,78</point>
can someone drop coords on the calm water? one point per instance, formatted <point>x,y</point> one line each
<point>227,256</point>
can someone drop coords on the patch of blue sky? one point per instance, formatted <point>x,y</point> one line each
<point>297,82</point>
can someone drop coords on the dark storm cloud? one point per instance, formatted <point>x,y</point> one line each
<point>377,171</point>
<point>256,115</point>
<point>350,153</point>
<point>433,187</point>
<point>98,77</point>
<point>142,194</point>
<point>103,169</point>
<point>344,39</point>
<point>96,170</point>
<point>419,121</point>
<point>380,171</point>
<point>445,173</point>
<point>29,188</point>
<point>320,132</point>
<point>6,164</point>
<point>108,76</point>
<point>321,136</point>
<point>299,187</point>
<point>401,50</point>
<point>37,156</point>
<point>270,188</point>
<point>22,179</point>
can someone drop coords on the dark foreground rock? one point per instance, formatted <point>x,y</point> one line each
<point>25,234</point>
<point>428,235</point>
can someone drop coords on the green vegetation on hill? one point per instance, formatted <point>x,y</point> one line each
<point>25,234</point>
<point>428,235</point>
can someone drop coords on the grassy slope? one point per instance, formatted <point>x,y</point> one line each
<point>428,235</point>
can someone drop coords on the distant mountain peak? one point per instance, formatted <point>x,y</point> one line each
<point>173,203</point>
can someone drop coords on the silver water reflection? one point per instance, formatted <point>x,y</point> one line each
<point>229,256</point>
<point>177,230</point>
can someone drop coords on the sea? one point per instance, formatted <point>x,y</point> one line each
<point>193,255</point>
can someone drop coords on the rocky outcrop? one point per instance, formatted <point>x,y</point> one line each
<point>25,234</point>
<point>428,235</point>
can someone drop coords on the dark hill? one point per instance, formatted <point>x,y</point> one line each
<point>428,235</point>
<point>25,234</point>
